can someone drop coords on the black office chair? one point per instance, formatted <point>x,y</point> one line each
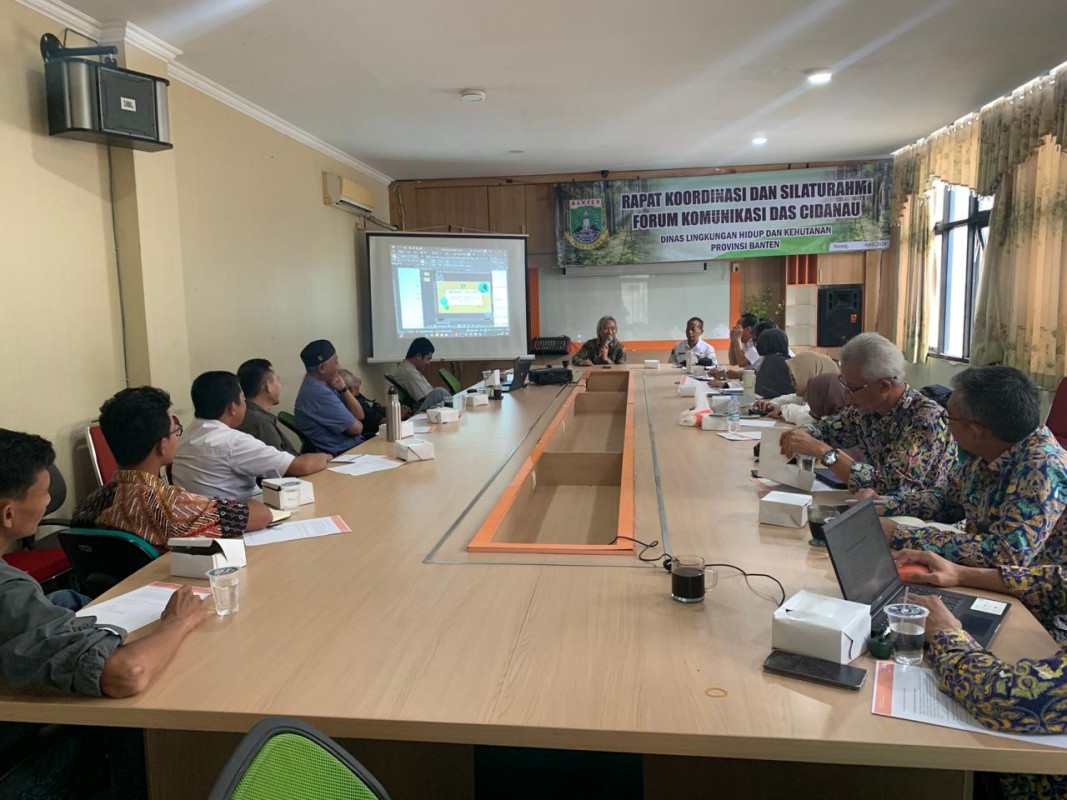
<point>46,565</point>
<point>405,398</point>
<point>103,558</point>
<point>289,421</point>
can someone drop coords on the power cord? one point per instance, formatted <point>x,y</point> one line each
<point>667,558</point>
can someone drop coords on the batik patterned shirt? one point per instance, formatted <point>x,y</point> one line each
<point>1028,697</point>
<point>590,351</point>
<point>146,506</point>
<point>908,448</point>
<point>1011,508</point>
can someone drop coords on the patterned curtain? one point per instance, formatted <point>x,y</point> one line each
<point>1022,299</point>
<point>908,281</point>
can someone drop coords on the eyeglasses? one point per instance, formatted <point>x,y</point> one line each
<point>177,431</point>
<point>856,389</point>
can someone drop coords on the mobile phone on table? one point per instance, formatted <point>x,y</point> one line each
<point>815,669</point>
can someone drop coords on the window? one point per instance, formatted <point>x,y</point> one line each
<point>960,236</point>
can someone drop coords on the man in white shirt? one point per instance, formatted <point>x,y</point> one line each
<point>216,459</point>
<point>694,329</point>
<point>409,375</point>
<point>743,342</point>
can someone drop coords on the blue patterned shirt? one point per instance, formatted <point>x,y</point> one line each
<point>1028,697</point>
<point>1011,508</point>
<point>908,448</point>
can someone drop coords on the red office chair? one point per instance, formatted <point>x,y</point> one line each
<point>104,463</point>
<point>1057,415</point>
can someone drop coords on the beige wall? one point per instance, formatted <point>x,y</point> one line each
<point>259,263</point>
<point>61,344</point>
<point>268,266</point>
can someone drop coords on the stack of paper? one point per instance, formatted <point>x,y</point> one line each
<point>291,531</point>
<point>365,464</point>
<point>138,608</point>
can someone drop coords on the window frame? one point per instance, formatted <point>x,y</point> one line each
<point>975,221</point>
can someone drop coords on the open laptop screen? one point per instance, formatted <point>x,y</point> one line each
<point>860,554</point>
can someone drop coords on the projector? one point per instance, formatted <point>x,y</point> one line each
<point>550,375</point>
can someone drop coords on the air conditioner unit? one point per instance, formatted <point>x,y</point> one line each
<point>347,194</point>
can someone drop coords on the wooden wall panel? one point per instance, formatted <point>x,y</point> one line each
<point>540,219</point>
<point>463,207</point>
<point>507,209</point>
<point>872,285</point>
<point>836,269</point>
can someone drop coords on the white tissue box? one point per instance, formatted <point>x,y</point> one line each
<point>821,627</point>
<point>282,493</point>
<point>773,465</point>
<point>193,556</point>
<point>690,387</point>
<point>414,450</point>
<point>785,509</point>
<point>407,428</point>
<point>438,415</point>
<point>711,421</point>
<point>651,363</point>
<point>475,400</point>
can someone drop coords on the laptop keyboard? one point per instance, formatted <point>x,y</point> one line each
<point>880,622</point>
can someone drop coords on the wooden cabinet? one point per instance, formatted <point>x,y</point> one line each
<point>460,207</point>
<point>507,209</point>
<point>541,219</point>
<point>836,269</point>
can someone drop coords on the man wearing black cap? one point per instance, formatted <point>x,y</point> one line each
<point>326,411</point>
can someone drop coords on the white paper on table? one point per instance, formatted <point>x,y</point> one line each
<point>741,436</point>
<point>138,608</point>
<point>424,427</point>
<point>769,485</point>
<point>758,423</point>
<point>912,693</point>
<point>364,465</point>
<point>291,531</point>
<point>346,459</point>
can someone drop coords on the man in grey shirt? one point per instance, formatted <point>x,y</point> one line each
<point>44,646</point>
<point>263,391</point>
<point>409,375</point>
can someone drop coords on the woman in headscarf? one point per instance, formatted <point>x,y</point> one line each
<point>803,368</point>
<point>773,378</point>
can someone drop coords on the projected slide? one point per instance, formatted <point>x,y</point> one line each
<point>446,292</point>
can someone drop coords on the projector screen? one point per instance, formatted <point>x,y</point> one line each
<point>465,293</point>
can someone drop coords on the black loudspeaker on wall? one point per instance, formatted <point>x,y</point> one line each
<point>840,314</point>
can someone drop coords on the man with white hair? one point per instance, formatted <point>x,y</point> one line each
<point>904,435</point>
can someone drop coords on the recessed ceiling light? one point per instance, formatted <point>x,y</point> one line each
<point>472,95</point>
<point>759,140</point>
<point>820,77</point>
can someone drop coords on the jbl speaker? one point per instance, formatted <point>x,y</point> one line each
<point>840,314</point>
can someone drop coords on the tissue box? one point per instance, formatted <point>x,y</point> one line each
<point>193,556</point>
<point>651,363</point>
<point>414,450</point>
<point>710,421</point>
<point>407,428</point>
<point>475,400</point>
<point>821,627</point>
<point>773,465</point>
<point>689,387</point>
<point>785,509</point>
<point>437,415</point>
<point>282,493</point>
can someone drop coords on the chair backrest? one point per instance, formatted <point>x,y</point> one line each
<point>1057,415</point>
<point>450,379</point>
<point>102,558</point>
<point>104,463</point>
<point>284,757</point>
<point>405,398</point>
<point>289,421</point>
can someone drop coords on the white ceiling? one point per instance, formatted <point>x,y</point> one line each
<point>625,84</point>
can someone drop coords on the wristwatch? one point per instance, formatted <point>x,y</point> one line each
<point>829,458</point>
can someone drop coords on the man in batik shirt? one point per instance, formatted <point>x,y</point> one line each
<point>1007,492</point>
<point>143,437</point>
<point>1028,697</point>
<point>903,436</point>
<point>604,349</point>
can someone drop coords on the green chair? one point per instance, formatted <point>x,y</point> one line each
<point>289,421</point>
<point>451,380</point>
<point>403,396</point>
<point>102,558</point>
<point>282,758</point>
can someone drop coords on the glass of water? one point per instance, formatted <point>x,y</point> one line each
<point>907,625</point>
<point>225,588</point>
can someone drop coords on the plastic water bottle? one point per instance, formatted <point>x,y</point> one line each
<point>392,416</point>
<point>734,415</point>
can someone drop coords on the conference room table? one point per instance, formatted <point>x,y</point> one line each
<point>410,650</point>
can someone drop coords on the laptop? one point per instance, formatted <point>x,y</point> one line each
<point>518,374</point>
<point>867,574</point>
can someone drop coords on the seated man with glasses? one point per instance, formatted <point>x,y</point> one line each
<point>903,434</point>
<point>144,437</point>
<point>1007,492</point>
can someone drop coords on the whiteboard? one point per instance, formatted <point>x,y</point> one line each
<point>647,306</point>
